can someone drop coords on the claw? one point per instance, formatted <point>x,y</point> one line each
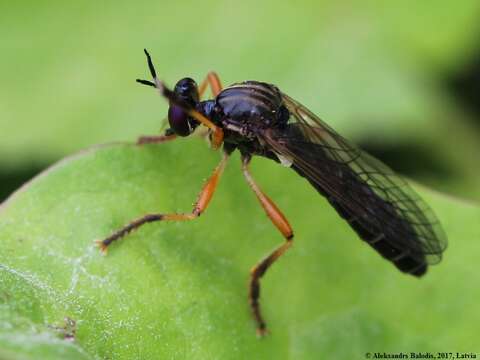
<point>262,331</point>
<point>102,246</point>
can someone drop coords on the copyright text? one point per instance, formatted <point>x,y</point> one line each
<point>421,355</point>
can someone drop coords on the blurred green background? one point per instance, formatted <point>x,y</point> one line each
<point>399,79</point>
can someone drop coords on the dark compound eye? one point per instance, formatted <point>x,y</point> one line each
<point>187,90</point>
<point>178,120</point>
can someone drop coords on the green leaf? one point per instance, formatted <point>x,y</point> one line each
<point>373,70</point>
<point>178,290</point>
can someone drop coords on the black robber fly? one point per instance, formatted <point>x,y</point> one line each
<point>256,118</point>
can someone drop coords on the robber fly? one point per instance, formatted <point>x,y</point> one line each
<point>258,119</point>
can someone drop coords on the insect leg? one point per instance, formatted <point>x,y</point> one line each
<point>279,220</point>
<point>198,208</point>
<point>213,80</point>
<point>217,136</point>
<point>217,132</point>
<point>155,139</point>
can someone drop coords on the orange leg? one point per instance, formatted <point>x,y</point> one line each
<point>279,220</point>
<point>216,87</point>
<point>217,132</point>
<point>198,208</point>
<point>155,139</point>
<point>213,80</point>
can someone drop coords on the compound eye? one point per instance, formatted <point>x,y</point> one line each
<point>187,90</point>
<point>178,120</point>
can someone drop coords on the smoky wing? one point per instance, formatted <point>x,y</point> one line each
<point>379,205</point>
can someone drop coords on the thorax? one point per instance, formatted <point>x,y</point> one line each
<point>244,111</point>
<point>249,107</point>
<point>250,102</point>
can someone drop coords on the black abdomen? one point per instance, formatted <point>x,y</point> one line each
<point>385,237</point>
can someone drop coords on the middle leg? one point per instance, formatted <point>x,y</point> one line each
<point>281,223</point>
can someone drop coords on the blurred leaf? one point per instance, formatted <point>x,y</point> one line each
<point>179,290</point>
<point>360,64</point>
